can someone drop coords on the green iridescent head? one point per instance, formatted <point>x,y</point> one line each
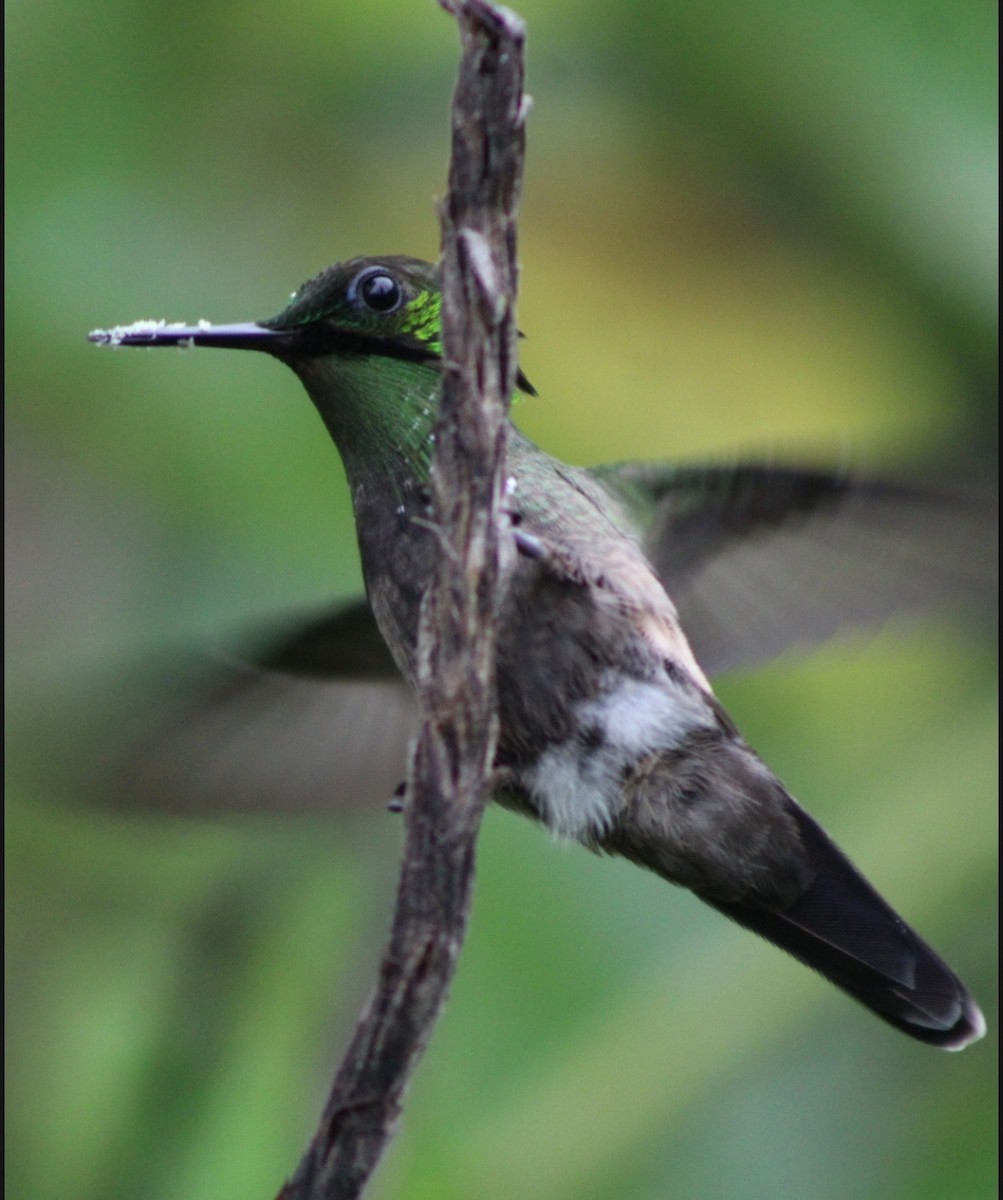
<point>388,305</point>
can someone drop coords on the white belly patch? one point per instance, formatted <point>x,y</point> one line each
<point>577,783</point>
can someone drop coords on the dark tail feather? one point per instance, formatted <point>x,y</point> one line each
<point>843,929</point>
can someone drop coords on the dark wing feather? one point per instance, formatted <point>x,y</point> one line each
<point>762,558</point>
<point>322,724</point>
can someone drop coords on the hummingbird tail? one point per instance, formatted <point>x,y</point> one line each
<point>843,929</point>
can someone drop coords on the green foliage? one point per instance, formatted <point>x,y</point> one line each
<point>744,226</point>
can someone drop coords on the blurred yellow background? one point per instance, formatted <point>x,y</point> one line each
<point>745,227</point>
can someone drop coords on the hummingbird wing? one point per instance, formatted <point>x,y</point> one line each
<point>759,559</point>
<point>320,722</point>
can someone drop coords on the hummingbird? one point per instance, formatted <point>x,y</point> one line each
<point>610,732</point>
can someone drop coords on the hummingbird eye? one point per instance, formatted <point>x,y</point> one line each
<point>378,291</point>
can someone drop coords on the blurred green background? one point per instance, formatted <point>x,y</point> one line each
<point>744,226</point>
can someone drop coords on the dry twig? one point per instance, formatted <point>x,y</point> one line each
<point>451,767</point>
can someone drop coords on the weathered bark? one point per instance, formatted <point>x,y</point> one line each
<point>452,762</point>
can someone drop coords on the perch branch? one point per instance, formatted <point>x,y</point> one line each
<point>451,766</point>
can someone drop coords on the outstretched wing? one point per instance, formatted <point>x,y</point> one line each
<point>757,559</point>
<point>321,723</point>
<point>762,558</point>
